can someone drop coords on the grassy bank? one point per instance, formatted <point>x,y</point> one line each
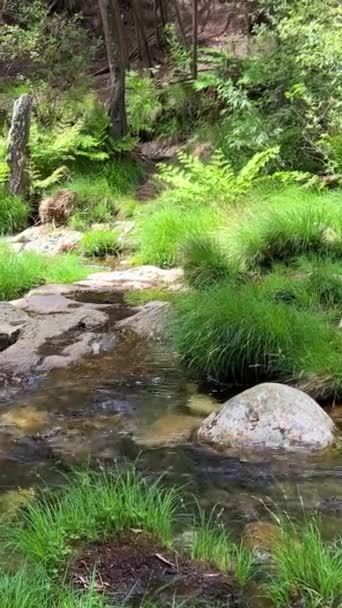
<point>126,517</point>
<point>20,272</point>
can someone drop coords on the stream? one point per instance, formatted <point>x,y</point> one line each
<point>136,403</point>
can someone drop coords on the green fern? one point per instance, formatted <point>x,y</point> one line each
<point>193,181</point>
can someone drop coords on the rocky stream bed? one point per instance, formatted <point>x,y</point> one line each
<point>86,378</point>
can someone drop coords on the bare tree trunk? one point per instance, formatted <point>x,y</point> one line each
<point>111,22</point>
<point>17,147</point>
<point>141,34</point>
<point>194,39</point>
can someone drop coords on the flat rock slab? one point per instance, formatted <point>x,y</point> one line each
<point>44,239</point>
<point>272,416</point>
<point>12,322</point>
<point>134,279</point>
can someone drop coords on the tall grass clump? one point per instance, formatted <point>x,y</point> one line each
<point>100,243</point>
<point>204,262</point>
<point>307,570</point>
<point>33,588</point>
<point>95,200</point>
<point>14,213</point>
<point>212,544</point>
<point>161,231</point>
<point>93,506</point>
<point>20,272</point>
<point>25,589</point>
<point>274,233</point>
<point>236,334</point>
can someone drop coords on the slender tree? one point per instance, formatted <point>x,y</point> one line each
<point>194,39</point>
<point>112,31</point>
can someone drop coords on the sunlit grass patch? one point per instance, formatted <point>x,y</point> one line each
<point>92,506</point>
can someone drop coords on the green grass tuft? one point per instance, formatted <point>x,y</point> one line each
<point>204,261</point>
<point>14,213</point>
<point>232,333</point>
<point>307,570</point>
<point>100,243</point>
<point>287,229</point>
<point>93,506</point>
<point>212,544</point>
<point>162,230</point>
<point>20,272</point>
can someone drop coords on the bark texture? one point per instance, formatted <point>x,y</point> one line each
<point>17,148</point>
<point>112,30</point>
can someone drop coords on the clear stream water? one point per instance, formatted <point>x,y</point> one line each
<point>124,405</point>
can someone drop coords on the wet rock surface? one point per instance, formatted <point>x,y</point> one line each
<point>12,322</point>
<point>272,416</point>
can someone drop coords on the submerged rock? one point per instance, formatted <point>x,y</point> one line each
<point>272,416</point>
<point>168,430</point>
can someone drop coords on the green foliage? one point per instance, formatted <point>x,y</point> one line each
<point>52,53</point>
<point>211,543</point>
<point>100,243</point>
<point>143,102</point>
<point>162,230</point>
<point>92,507</point>
<point>13,213</point>
<point>215,182</point>
<point>204,261</point>
<point>238,334</point>
<point>20,272</point>
<point>138,298</point>
<point>286,228</point>
<point>308,570</point>
<point>95,200</point>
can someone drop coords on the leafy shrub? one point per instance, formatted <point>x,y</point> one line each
<point>20,272</point>
<point>100,243</point>
<point>162,230</point>
<point>203,261</point>
<point>13,213</point>
<point>52,53</point>
<point>237,334</point>
<point>143,103</point>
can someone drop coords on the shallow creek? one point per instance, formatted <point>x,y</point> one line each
<point>137,404</point>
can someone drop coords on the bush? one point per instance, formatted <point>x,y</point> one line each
<point>162,230</point>
<point>308,571</point>
<point>238,335</point>
<point>100,243</point>
<point>14,213</point>
<point>203,261</point>
<point>20,272</point>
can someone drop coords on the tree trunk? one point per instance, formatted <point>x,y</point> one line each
<point>194,39</point>
<point>17,147</point>
<point>141,34</point>
<point>111,22</point>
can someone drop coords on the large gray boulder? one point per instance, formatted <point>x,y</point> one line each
<point>271,416</point>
